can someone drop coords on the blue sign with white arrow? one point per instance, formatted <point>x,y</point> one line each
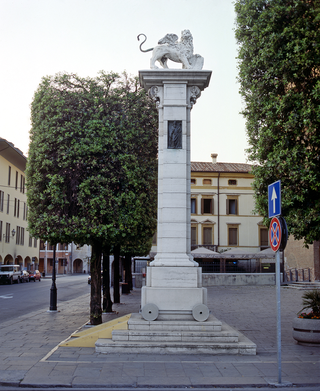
<point>274,199</point>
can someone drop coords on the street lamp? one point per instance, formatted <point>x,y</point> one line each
<point>53,289</point>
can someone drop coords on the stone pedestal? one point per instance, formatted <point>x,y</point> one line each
<point>174,283</point>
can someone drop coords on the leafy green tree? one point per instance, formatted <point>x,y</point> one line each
<point>91,164</point>
<point>279,74</point>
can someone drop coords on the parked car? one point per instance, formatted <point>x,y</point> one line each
<point>36,275</point>
<point>10,273</point>
<point>24,276</point>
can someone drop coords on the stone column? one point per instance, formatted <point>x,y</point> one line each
<point>174,271</point>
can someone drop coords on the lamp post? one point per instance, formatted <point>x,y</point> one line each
<point>53,290</point>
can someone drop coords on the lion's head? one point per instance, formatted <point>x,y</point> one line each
<point>187,42</point>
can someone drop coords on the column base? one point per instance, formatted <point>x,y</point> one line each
<point>174,303</point>
<point>174,260</point>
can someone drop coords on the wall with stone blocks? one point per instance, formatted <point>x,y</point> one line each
<point>297,256</point>
<point>212,279</point>
<point>306,274</point>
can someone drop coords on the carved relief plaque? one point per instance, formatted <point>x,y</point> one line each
<point>174,134</point>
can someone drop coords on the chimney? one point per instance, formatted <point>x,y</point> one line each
<point>214,157</point>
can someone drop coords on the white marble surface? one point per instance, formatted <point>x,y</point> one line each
<point>174,280</point>
<point>172,277</point>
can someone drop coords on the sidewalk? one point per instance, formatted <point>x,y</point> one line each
<point>30,356</point>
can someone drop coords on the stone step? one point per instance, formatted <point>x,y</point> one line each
<point>304,285</point>
<point>201,336</point>
<point>244,347</point>
<point>136,322</point>
<point>226,341</point>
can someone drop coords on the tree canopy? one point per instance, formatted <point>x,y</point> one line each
<point>92,168</point>
<point>279,74</point>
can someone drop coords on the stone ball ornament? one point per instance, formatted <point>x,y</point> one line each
<point>170,48</point>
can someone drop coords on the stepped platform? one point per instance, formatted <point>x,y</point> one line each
<point>187,337</point>
<point>304,285</point>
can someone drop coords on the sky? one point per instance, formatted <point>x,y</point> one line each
<point>44,37</point>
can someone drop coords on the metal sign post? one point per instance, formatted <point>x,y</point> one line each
<point>278,236</point>
<point>278,314</point>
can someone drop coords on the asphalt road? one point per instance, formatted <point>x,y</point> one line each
<point>20,299</point>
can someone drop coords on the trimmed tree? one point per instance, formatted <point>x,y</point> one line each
<point>279,74</point>
<point>82,182</point>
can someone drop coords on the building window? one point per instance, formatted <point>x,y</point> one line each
<point>193,205</point>
<point>207,235</point>
<point>22,236</point>
<point>193,181</point>
<point>207,182</point>
<point>35,242</point>
<point>63,246</point>
<point>232,206</point>
<point>9,176</point>
<point>207,205</point>
<point>194,235</point>
<point>1,200</point>
<point>7,233</point>
<point>232,182</point>
<point>0,231</point>
<point>264,238</point>
<point>24,211</point>
<point>233,236</point>
<point>17,177</point>
<point>42,245</point>
<point>8,204</point>
<point>30,241</point>
<point>22,183</point>
<point>18,235</point>
<point>18,208</point>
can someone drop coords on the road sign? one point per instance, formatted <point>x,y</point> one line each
<point>274,199</point>
<point>275,234</point>
<point>278,234</point>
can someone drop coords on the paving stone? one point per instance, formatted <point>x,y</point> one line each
<point>252,310</point>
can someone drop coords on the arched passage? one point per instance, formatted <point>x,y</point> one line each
<point>78,266</point>
<point>27,262</point>
<point>19,260</point>
<point>8,260</point>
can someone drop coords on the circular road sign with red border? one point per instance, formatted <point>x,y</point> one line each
<point>275,234</point>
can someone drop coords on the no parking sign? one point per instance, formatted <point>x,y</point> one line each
<point>278,234</point>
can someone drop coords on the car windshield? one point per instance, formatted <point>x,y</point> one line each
<point>6,268</point>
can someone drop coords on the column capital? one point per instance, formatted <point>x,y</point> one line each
<point>158,77</point>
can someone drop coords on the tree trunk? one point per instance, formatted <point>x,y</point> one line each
<point>116,285</point>
<point>107,302</point>
<point>95,301</point>
<point>128,272</point>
